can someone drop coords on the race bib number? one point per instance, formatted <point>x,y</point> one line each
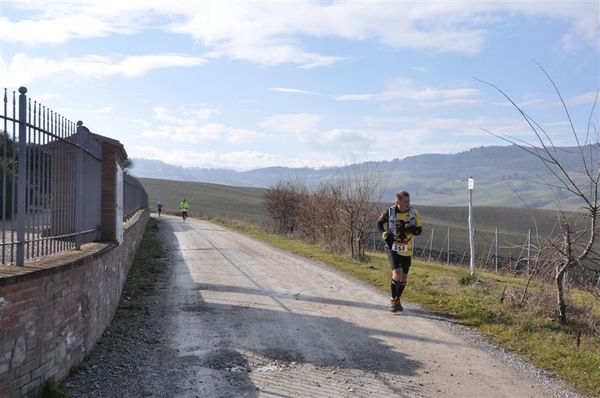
<point>400,247</point>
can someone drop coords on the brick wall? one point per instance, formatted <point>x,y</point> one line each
<point>52,312</point>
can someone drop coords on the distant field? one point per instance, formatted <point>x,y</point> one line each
<point>210,200</point>
<point>214,200</point>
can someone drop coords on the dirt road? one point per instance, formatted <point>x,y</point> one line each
<point>251,320</point>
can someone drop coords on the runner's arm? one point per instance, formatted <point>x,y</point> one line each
<point>383,218</point>
<point>416,229</point>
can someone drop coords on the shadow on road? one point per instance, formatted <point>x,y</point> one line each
<point>220,339</point>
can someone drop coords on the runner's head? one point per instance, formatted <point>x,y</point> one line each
<point>403,201</point>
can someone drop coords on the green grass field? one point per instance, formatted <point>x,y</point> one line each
<point>208,200</point>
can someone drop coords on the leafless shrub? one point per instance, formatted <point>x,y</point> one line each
<point>320,218</point>
<point>283,203</point>
<point>337,215</point>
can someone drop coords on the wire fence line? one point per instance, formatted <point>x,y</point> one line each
<point>51,182</point>
<point>496,251</point>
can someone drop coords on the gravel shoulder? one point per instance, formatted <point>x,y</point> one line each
<point>223,315</point>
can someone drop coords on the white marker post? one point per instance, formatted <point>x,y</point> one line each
<point>471,237</point>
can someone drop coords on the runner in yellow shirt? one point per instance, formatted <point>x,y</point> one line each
<point>184,206</point>
<point>404,223</point>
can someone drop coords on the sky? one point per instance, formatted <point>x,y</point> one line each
<point>252,84</point>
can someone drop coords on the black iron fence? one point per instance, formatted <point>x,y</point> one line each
<point>51,182</point>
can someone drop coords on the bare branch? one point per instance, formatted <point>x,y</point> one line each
<point>527,119</point>
<point>562,101</point>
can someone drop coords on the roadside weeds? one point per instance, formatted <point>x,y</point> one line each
<point>131,349</point>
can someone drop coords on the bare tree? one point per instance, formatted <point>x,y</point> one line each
<point>574,243</point>
<point>362,187</point>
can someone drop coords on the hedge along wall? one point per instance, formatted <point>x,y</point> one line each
<point>52,312</point>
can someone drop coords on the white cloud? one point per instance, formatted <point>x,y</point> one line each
<point>185,115</point>
<point>103,111</point>
<point>403,91</point>
<point>303,126</point>
<point>25,69</point>
<point>534,101</point>
<point>442,104</point>
<point>273,55</point>
<point>294,91</point>
<point>346,138</point>
<point>45,97</point>
<point>269,33</point>
<point>236,160</point>
<point>583,99</point>
<point>412,94</point>
<point>420,69</point>
<point>58,30</point>
<point>435,129</point>
<point>188,125</point>
<point>201,133</point>
<point>236,135</point>
<point>138,123</point>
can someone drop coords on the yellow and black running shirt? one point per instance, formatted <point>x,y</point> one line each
<point>404,241</point>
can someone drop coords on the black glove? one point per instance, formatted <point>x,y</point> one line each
<point>413,229</point>
<point>388,237</point>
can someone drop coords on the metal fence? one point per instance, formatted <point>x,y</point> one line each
<point>51,181</point>
<point>134,196</point>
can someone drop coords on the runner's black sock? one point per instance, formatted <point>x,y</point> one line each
<point>394,289</point>
<point>400,286</point>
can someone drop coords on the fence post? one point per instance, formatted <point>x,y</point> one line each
<point>79,184</point>
<point>431,243</point>
<point>496,251</point>
<point>22,176</point>
<point>471,232</point>
<point>528,248</point>
<point>448,249</point>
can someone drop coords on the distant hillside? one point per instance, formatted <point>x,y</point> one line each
<point>504,175</point>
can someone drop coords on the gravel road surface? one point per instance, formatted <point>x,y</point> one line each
<point>237,317</point>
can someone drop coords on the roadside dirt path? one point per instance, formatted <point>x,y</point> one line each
<point>251,320</point>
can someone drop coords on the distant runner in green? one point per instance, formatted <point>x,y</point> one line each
<point>184,206</point>
<point>404,223</point>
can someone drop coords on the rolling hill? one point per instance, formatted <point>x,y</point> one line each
<point>505,176</point>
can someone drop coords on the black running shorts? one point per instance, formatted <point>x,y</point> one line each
<point>398,261</point>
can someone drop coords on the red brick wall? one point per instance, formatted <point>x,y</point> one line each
<point>52,313</point>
